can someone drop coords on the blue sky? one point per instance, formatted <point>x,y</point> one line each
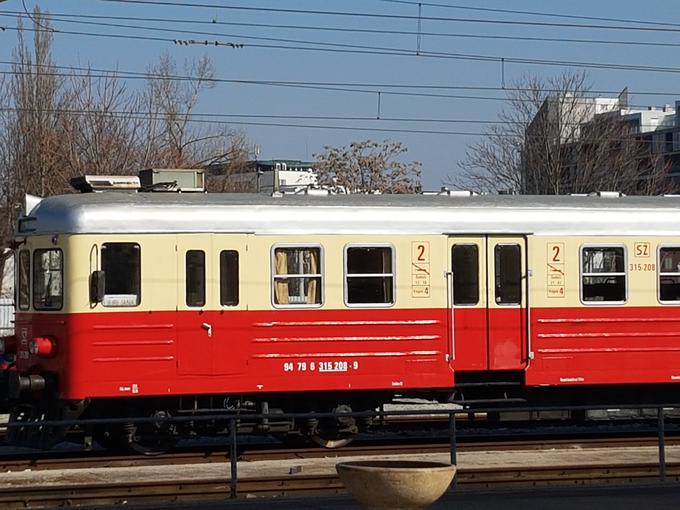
<point>440,152</point>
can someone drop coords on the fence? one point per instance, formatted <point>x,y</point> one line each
<point>232,420</point>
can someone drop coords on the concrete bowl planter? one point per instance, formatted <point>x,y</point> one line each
<point>395,484</point>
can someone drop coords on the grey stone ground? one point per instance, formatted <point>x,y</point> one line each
<point>645,497</point>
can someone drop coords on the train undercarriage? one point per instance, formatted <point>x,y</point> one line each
<point>151,425</point>
<point>154,424</point>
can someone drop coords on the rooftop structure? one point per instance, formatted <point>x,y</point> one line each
<point>267,176</point>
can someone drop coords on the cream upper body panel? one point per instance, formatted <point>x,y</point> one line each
<point>556,264</point>
<point>419,264</point>
<point>412,255</point>
<point>556,229</point>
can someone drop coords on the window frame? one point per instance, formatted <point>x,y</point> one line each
<point>478,278</point>
<point>659,273</point>
<point>139,295</point>
<point>346,275</point>
<point>624,273</point>
<point>29,288</point>
<point>61,273</point>
<point>273,275</point>
<point>186,278</point>
<point>522,274</point>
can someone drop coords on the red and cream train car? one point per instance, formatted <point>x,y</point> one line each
<point>156,304</point>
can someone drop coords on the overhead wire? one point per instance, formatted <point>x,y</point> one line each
<point>382,85</point>
<point>533,13</point>
<point>347,87</point>
<point>215,119</point>
<point>335,88</point>
<point>393,16</point>
<point>112,74</point>
<point>384,51</point>
<point>69,18</point>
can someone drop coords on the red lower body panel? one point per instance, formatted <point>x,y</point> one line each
<point>605,345</point>
<point>171,353</point>
<point>168,353</point>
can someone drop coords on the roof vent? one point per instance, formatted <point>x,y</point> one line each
<point>173,179</point>
<point>444,191</point>
<point>97,183</point>
<point>317,192</point>
<point>607,194</point>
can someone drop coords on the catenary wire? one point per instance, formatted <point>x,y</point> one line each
<point>214,118</point>
<point>390,16</point>
<point>369,50</point>
<point>323,86</point>
<point>67,18</point>
<point>149,75</point>
<point>533,13</point>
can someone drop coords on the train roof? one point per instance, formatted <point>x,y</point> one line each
<point>132,213</point>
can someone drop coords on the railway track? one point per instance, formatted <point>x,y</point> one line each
<point>94,460</point>
<point>218,488</point>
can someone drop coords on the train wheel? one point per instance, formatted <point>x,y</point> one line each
<point>155,438</point>
<point>153,445</point>
<point>331,443</point>
<point>337,431</point>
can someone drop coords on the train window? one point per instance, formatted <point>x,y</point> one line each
<point>508,271</point>
<point>229,278</point>
<point>24,280</point>
<point>297,276</point>
<point>669,274</point>
<point>195,278</point>
<point>465,268</point>
<point>48,273</point>
<point>121,263</point>
<point>603,274</point>
<point>369,275</point>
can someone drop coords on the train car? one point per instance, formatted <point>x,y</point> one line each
<point>178,304</point>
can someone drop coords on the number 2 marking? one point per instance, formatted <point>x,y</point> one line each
<point>421,253</point>
<point>556,254</point>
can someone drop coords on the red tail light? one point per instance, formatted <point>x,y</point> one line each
<point>42,346</point>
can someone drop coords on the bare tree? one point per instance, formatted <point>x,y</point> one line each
<point>58,124</point>
<point>552,139</point>
<point>172,138</point>
<point>368,166</point>
<point>29,129</point>
<point>610,155</point>
<point>97,138</point>
<point>231,160</point>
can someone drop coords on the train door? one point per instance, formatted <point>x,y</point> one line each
<point>506,298</point>
<point>194,293</point>
<point>469,312</point>
<point>229,328</point>
<point>488,302</point>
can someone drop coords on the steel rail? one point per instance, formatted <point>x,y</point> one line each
<point>94,460</point>
<point>74,494</point>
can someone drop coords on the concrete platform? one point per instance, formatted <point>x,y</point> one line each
<point>574,456</point>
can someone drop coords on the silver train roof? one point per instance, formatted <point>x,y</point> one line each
<point>124,213</point>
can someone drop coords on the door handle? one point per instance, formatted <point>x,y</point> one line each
<point>208,328</point>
